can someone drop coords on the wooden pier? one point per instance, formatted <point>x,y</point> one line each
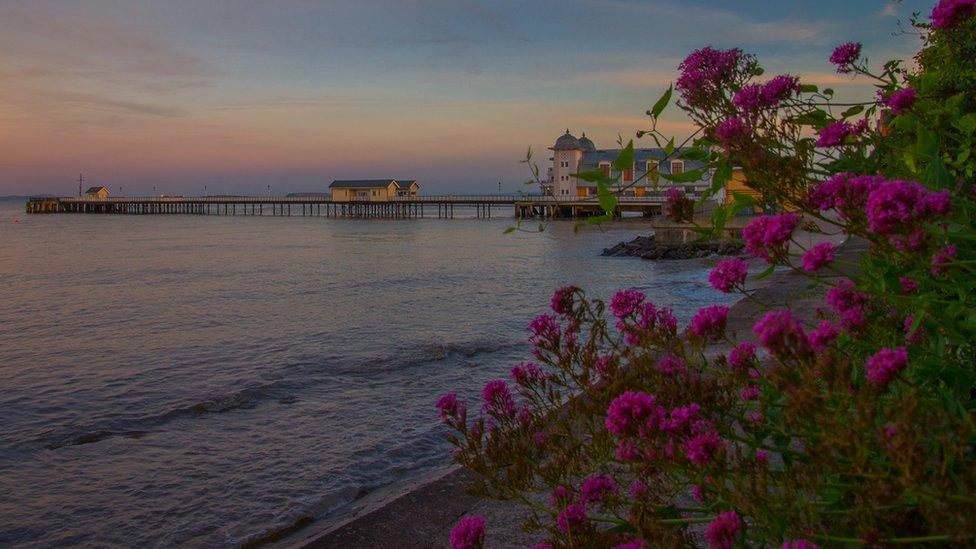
<point>443,206</point>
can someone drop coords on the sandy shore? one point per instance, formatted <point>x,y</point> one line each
<point>424,516</point>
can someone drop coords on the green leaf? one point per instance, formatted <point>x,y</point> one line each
<point>658,107</point>
<point>723,173</point>
<point>669,148</point>
<point>741,201</point>
<point>509,230</point>
<point>592,176</point>
<point>856,109</point>
<point>966,124</point>
<point>598,219</point>
<point>625,160</point>
<point>769,270</point>
<point>910,161</point>
<point>936,174</point>
<point>685,177</point>
<point>808,88</point>
<point>608,201</point>
<point>926,143</point>
<point>694,153</point>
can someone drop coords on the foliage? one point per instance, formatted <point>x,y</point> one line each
<point>853,428</point>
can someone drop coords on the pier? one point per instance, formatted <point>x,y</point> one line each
<point>407,207</point>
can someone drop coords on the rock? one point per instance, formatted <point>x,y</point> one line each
<point>646,247</point>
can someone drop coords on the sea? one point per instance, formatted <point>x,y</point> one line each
<point>205,381</point>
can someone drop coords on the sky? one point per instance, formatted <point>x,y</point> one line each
<point>251,96</point>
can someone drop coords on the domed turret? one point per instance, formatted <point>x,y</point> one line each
<point>586,144</point>
<point>566,142</point>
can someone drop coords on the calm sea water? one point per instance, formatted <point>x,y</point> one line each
<point>201,381</point>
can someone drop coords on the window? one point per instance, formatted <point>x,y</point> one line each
<point>629,174</point>
<point>605,168</point>
<point>651,169</point>
<point>677,166</point>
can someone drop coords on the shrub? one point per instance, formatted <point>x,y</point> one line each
<point>856,427</point>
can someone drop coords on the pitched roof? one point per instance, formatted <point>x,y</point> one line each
<point>361,183</point>
<point>404,183</point>
<point>93,190</point>
<point>591,160</point>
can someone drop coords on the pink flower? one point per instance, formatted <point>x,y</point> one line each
<point>846,193</point>
<point>908,285</point>
<point>597,488</point>
<point>779,89</point>
<point>527,374</point>
<point>749,98</point>
<point>451,409</point>
<point>702,447</point>
<point>845,55</point>
<point>732,130</point>
<point>638,489</point>
<point>670,364</point>
<point>468,533</point>
<point>680,417</point>
<point>560,496</point>
<point>742,356</point>
<point>949,13</point>
<point>800,544</point>
<point>544,328</point>
<point>941,259</point>
<point>625,302</point>
<point>782,334</point>
<point>833,134</point>
<point>885,365</point>
<point>766,236</point>
<point>901,100</point>
<point>849,304</point>
<point>573,515</point>
<point>728,274</point>
<point>899,204</point>
<point>823,336</point>
<point>697,494</point>
<point>709,322</point>
<point>755,416</point>
<point>562,300</point>
<point>762,456</point>
<point>633,412</point>
<point>749,392</point>
<point>705,73</point>
<point>722,532</point>
<point>497,398</point>
<point>818,256</point>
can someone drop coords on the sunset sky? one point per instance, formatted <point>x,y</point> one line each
<point>238,95</point>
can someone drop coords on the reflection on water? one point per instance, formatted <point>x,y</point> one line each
<point>204,380</point>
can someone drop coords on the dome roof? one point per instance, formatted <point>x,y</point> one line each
<point>566,142</point>
<point>586,144</point>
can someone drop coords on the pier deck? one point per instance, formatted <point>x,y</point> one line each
<point>525,206</point>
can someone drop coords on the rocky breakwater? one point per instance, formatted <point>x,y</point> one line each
<point>649,247</point>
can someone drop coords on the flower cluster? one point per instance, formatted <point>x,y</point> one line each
<point>679,208</point>
<point>845,56</point>
<point>885,365</point>
<point>818,256</point>
<point>705,71</point>
<point>728,274</point>
<point>766,236</point>
<point>709,322</point>
<point>754,98</point>
<point>468,533</point>
<point>901,100</point>
<point>949,13</point>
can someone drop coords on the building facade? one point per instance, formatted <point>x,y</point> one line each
<point>372,190</point>
<point>96,192</point>
<point>571,155</point>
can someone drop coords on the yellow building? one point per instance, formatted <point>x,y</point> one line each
<point>372,190</point>
<point>739,184</point>
<point>96,192</point>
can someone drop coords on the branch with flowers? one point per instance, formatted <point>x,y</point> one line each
<point>856,426</point>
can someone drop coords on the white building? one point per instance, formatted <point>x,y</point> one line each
<point>571,156</point>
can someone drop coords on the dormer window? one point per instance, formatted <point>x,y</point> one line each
<point>605,168</point>
<point>677,166</point>
<point>628,175</point>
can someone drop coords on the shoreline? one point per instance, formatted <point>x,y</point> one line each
<point>422,516</point>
